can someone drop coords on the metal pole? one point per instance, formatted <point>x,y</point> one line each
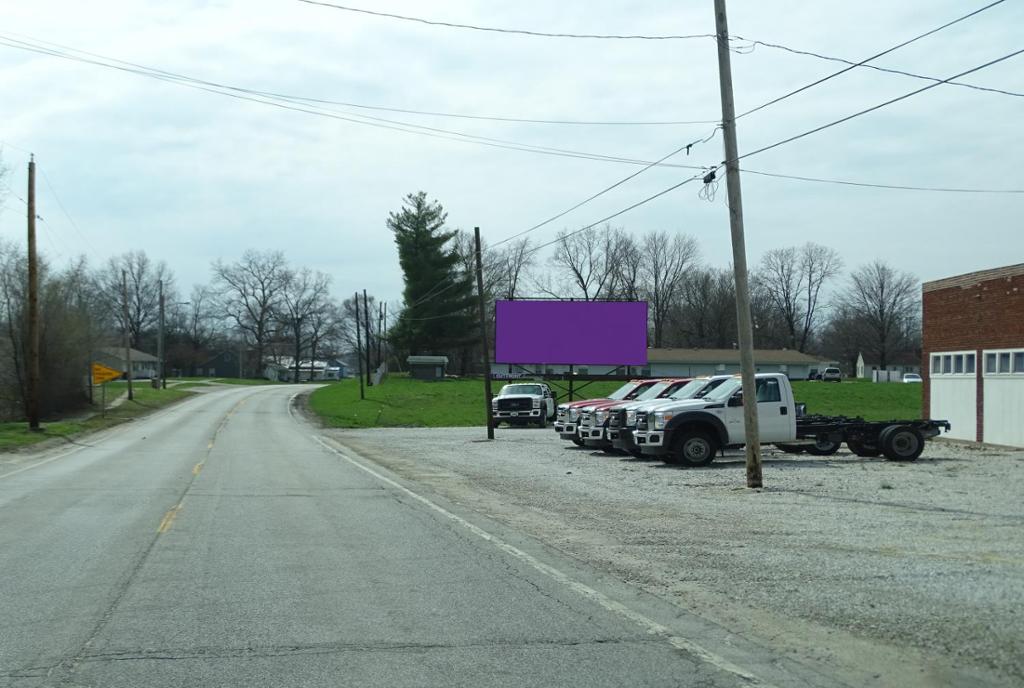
<point>161,378</point>
<point>127,347</point>
<point>359,350</point>
<point>32,399</point>
<point>369,346</point>
<point>483,337</point>
<point>739,251</point>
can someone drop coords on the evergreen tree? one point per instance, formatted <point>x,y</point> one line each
<point>438,295</point>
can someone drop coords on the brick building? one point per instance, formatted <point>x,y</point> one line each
<point>973,354</point>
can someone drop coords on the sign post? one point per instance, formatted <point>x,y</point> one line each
<point>101,375</point>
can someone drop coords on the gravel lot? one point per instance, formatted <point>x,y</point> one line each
<point>893,574</point>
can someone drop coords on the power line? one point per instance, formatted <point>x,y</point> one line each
<point>524,32</point>
<point>878,107</point>
<point>869,59</point>
<point>899,187</point>
<point>887,70</point>
<point>259,97</point>
<point>71,220</point>
<point>361,106</point>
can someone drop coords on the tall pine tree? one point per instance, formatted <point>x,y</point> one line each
<point>438,295</point>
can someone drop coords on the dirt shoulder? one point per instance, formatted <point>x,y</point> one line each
<point>888,573</point>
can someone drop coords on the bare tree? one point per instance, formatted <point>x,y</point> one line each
<point>663,270</point>
<point>586,263</point>
<point>886,302</point>
<point>142,277</point>
<point>792,278</point>
<point>249,292</point>
<point>302,293</point>
<point>628,269</point>
<point>326,327</point>
<point>512,263</point>
<point>706,314</point>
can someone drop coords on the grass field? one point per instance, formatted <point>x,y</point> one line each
<point>872,401</point>
<point>147,399</point>
<point>402,402</point>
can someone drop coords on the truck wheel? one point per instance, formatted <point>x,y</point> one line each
<point>542,422</point>
<point>860,448</point>
<point>636,453</point>
<point>823,447</point>
<point>576,439</point>
<point>901,443</point>
<point>791,448</point>
<point>693,448</point>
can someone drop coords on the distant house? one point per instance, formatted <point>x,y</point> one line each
<point>897,363</point>
<point>144,366</point>
<point>684,363</point>
<point>224,364</point>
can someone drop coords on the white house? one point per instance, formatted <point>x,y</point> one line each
<point>898,363</point>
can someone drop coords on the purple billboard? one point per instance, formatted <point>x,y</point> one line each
<point>576,332</point>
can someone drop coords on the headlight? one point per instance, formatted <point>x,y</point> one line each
<point>600,417</point>
<point>660,418</point>
<point>536,403</point>
<point>630,417</point>
<point>574,414</point>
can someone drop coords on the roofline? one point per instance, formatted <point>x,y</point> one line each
<point>971,278</point>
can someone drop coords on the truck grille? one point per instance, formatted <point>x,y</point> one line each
<point>617,419</point>
<point>515,404</point>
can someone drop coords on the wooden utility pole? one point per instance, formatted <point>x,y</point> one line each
<point>739,251</point>
<point>483,336</point>
<point>359,350</point>
<point>161,379</point>
<point>384,333</point>
<point>32,405</point>
<point>366,322</point>
<point>380,321</point>
<point>127,347</point>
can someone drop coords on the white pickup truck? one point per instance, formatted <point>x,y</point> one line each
<point>524,402</point>
<point>693,432</point>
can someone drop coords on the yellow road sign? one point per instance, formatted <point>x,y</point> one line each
<point>101,374</point>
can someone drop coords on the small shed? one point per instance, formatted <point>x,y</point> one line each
<point>427,367</point>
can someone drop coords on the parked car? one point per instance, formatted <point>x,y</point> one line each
<point>567,420</point>
<point>911,377</point>
<point>831,375</point>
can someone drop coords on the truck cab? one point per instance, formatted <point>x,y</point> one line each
<point>694,430</point>
<point>524,402</point>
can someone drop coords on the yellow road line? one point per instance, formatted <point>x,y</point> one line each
<point>168,519</point>
<point>198,467</point>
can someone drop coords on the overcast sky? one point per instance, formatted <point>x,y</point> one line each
<point>190,176</point>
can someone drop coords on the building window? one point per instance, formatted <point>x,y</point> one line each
<point>1004,362</point>
<point>952,363</point>
<point>969,364</point>
<point>947,364</point>
<point>1018,361</point>
<point>936,364</point>
<point>990,363</point>
<point>958,364</point>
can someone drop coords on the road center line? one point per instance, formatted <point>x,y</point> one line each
<point>651,626</point>
<point>168,519</point>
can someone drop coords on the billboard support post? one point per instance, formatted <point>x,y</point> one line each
<point>483,336</point>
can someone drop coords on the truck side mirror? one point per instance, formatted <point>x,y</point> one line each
<point>736,400</point>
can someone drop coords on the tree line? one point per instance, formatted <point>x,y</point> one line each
<point>253,310</point>
<point>800,296</point>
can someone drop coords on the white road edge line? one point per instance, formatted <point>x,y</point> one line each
<point>651,626</point>
<point>41,463</point>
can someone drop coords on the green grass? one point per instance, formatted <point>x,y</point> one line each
<point>147,399</point>
<point>872,401</point>
<point>404,402</point>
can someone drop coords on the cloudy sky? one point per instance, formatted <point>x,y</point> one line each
<point>191,176</point>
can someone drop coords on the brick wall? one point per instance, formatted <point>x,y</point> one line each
<point>972,312</point>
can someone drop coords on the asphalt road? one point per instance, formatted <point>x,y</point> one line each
<point>222,542</point>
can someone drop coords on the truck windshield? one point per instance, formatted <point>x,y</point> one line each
<point>653,391</point>
<point>688,390</point>
<point>521,389</point>
<point>623,391</point>
<point>725,390</point>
